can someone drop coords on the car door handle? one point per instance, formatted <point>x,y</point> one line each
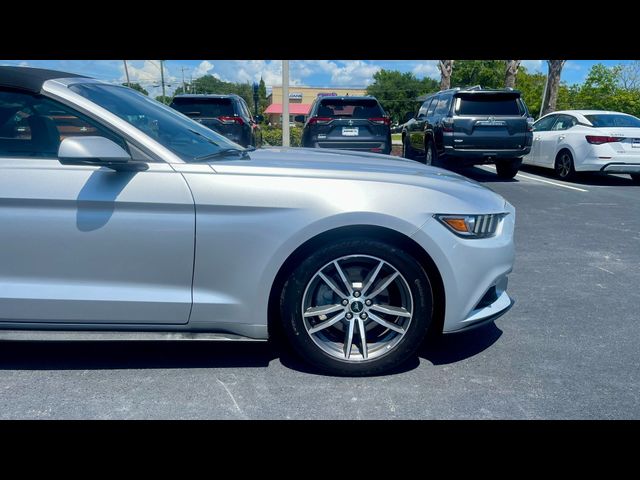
<point>537,138</point>
<point>561,137</point>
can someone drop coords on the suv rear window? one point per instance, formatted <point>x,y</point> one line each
<point>488,105</point>
<point>610,120</point>
<point>345,108</point>
<point>204,107</point>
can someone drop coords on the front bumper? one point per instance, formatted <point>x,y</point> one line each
<point>470,269</point>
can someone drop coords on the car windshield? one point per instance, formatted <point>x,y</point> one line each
<point>613,120</point>
<point>181,135</point>
<point>203,107</point>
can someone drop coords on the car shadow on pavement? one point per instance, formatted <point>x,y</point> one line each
<point>582,178</point>
<point>460,346</point>
<point>480,175</point>
<point>133,355</point>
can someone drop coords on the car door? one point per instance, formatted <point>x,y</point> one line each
<point>420,125</point>
<point>540,131</point>
<point>84,244</point>
<point>550,140</point>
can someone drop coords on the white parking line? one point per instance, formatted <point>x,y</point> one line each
<point>537,179</point>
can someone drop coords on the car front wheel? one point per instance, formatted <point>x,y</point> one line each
<point>357,306</point>
<point>407,150</point>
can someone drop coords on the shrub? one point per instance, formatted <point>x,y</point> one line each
<point>273,136</point>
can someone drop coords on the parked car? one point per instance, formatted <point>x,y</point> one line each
<point>350,123</point>
<point>228,115</point>
<point>571,141</point>
<point>157,227</point>
<point>470,126</point>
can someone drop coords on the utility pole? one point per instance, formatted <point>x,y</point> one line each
<point>126,72</point>
<point>162,78</point>
<point>184,85</point>
<point>285,103</point>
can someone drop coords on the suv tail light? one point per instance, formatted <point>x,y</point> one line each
<point>447,124</point>
<point>319,120</point>
<point>599,140</point>
<point>231,120</point>
<point>530,122</point>
<point>381,120</point>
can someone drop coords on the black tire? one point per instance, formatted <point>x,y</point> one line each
<point>407,150</point>
<point>294,289</point>
<point>508,169</point>
<point>635,177</point>
<point>564,166</point>
<point>431,154</point>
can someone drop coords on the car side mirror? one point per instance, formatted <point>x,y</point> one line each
<point>259,118</point>
<point>97,152</point>
<point>299,118</point>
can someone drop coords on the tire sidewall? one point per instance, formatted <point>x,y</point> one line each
<point>294,288</point>
<point>571,166</point>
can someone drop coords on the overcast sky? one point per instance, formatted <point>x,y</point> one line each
<point>320,73</point>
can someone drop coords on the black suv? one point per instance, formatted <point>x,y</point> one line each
<point>228,115</point>
<point>351,123</point>
<point>469,127</point>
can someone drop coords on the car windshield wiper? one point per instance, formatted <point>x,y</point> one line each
<point>224,153</point>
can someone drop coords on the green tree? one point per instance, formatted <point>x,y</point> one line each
<point>604,89</point>
<point>165,100</point>
<point>398,92</point>
<point>262,96</point>
<point>136,86</point>
<point>486,73</point>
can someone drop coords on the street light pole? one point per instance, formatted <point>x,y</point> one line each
<point>162,78</point>
<point>285,103</point>
<point>126,72</point>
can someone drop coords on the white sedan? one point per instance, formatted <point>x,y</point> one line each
<point>587,141</point>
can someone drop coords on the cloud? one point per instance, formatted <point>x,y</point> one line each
<point>344,72</point>
<point>203,69</point>
<point>534,65</point>
<point>427,68</point>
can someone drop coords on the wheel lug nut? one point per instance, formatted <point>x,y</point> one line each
<point>368,303</point>
<point>349,316</point>
<point>345,302</point>
<point>363,316</point>
<point>356,294</point>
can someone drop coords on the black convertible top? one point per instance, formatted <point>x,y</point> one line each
<point>30,79</point>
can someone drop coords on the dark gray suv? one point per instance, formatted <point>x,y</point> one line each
<point>352,123</point>
<point>228,115</point>
<point>469,127</point>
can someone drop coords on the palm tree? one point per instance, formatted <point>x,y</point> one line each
<point>553,85</point>
<point>445,67</point>
<point>511,72</point>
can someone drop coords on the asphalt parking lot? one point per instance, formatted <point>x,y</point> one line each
<point>567,350</point>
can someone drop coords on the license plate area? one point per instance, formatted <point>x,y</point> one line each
<point>350,131</point>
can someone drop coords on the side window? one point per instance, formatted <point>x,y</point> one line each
<point>544,124</point>
<point>444,102</point>
<point>432,106</point>
<point>564,122</point>
<point>33,125</point>
<point>424,108</point>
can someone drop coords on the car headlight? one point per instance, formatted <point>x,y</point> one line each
<point>472,226</point>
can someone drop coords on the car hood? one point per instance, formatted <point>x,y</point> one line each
<point>357,166</point>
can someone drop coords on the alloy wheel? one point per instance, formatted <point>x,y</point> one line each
<point>357,308</point>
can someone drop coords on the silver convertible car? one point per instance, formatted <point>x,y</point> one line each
<point>120,218</point>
